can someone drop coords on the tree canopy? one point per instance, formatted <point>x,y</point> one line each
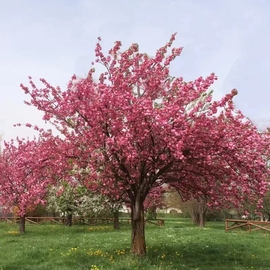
<point>136,128</point>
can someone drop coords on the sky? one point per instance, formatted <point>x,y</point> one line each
<point>56,39</point>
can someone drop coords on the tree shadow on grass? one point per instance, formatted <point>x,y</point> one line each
<point>194,255</point>
<point>189,255</point>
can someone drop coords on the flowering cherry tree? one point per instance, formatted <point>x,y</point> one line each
<point>136,128</point>
<point>24,176</point>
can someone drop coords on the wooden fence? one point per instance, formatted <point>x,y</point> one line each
<point>248,225</point>
<point>88,221</point>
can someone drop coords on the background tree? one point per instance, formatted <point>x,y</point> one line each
<point>24,176</point>
<point>195,208</point>
<point>172,199</point>
<point>70,199</point>
<point>266,207</point>
<point>138,128</point>
<point>153,201</point>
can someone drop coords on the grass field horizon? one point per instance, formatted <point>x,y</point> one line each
<point>177,245</point>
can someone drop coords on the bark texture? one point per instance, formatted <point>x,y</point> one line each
<point>138,245</point>
<point>116,225</point>
<point>69,220</point>
<point>22,225</point>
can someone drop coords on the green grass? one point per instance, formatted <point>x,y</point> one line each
<point>178,245</point>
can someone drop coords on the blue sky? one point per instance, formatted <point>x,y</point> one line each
<point>55,39</point>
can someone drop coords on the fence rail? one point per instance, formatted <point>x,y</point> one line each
<point>248,225</point>
<point>84,220</point>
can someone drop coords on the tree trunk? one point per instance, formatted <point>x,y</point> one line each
<point>116,220</point>
<point>202,208</point>
<point>69,220</point>
<point>155,213</point>
<point>22,224</point>
<point>202,219</point>
<point>138,245</point>
<point>194,217</point>
<point>198,211</point>
<point>152,213</point>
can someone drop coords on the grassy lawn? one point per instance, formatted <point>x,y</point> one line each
<point>178,245</point>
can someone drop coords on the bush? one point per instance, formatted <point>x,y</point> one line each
<point>38,210</point>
